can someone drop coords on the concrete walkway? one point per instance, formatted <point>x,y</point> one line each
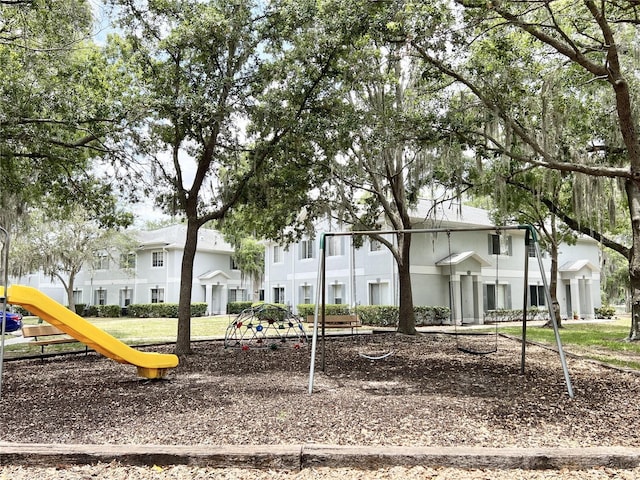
<point>297,457</point>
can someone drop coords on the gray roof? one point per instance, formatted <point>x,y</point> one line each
<point>174,237</point>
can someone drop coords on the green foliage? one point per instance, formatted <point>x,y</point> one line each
<point>515,315</point>
<point>234,308</point>
<point>306,309</point>
<point>166,310</point>
<point>606,311</point>
<point>381,315</point>
<point>387,315</point>
<point>110,311</point>
<point>61,102</point>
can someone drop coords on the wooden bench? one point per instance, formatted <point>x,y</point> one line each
<point>338,321</point>
<point>45,334</point>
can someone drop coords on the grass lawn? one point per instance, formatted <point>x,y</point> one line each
<point>600,341</point>
<point>133,331</point>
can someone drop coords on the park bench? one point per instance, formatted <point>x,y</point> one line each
<point>338,321</point>
<point>44,335</point>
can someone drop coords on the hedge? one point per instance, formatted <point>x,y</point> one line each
<point>507,315</point>
<point>168,310</point>
<point>606,311</point>
<point>382,315</point>
<point>234,308</point>
<point>306,309</point>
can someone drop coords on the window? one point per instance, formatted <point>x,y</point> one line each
<point>157,258</point>
<point>125,297</point>
<point>536,296</point>
<point>375,294</point>
<point>336,293</point>
<point>496,298</point>
<point>531,250</point>
<point>335,246</point>
<point>278,294</point>
<point>306,294</point>
<point>234,265</point>
<point>100,296</point>
<point>128,260</point>
<point>77,296</point>
<point>499,244</point>
<point>306,249</point>
<point>102,261</point>
<point>157,295</point>
<point>277,254</point>
<point>237,295</point>
<point>374,245</point>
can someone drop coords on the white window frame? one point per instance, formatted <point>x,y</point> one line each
<point>306,294</point>
<point>307,249</point>
<point>279,295</point>
<point>102,261</point>
<point>157,295</point>
<point>128,260</point>
<point>502,243</point>
<point>335,246</point>
<point>100,296</point>
<point>277,254</point>
<point>375,245</point>
<point>334,290</point>
<point>157,259</point>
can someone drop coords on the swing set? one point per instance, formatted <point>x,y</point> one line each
<point>530,239</point>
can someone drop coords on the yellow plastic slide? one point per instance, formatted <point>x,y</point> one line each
<point>150,364</point>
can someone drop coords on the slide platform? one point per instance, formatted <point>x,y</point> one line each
<point>150,364</point>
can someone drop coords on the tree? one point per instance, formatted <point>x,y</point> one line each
<point>60,102</point>
<point>595,41</point>
<point>249,257</point>
<point>62,247</point>
<point>224,87</point>
<point>391,153</point>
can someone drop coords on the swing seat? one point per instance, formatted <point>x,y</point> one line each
<point>485,351</point>
<point>377,357</point>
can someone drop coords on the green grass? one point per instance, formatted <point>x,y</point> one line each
<point>132,331</point>
<point>604,341</point>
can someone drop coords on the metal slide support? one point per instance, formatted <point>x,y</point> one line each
<point>556,331</point>
<point>314,338</point>
<point>4,259</point>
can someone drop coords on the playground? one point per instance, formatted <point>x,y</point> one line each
<point>427,393</point>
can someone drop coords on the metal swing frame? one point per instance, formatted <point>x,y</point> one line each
<point>530,239</point>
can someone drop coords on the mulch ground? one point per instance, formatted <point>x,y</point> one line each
<point>427,393</point>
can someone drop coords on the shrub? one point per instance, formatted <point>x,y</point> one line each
<point>382,315</point>
<point>427,315</point>
<point>22,311</point>
<point>509,315</point>
<point>198,309</point>
<point>234,308</point>
<point>306,309</point>
<point>108,310</point>
<point>606,311</point>
<point>79,309</point>
<point>168,310</point>
<point>90,311</point>
<point>378,315</point>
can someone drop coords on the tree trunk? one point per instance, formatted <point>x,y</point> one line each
<point>553,283</point>
<point>183,341</point>
<point>407,319</point>
<point>633,197</point>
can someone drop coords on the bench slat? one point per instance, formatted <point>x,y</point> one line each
<point>40,330</point>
